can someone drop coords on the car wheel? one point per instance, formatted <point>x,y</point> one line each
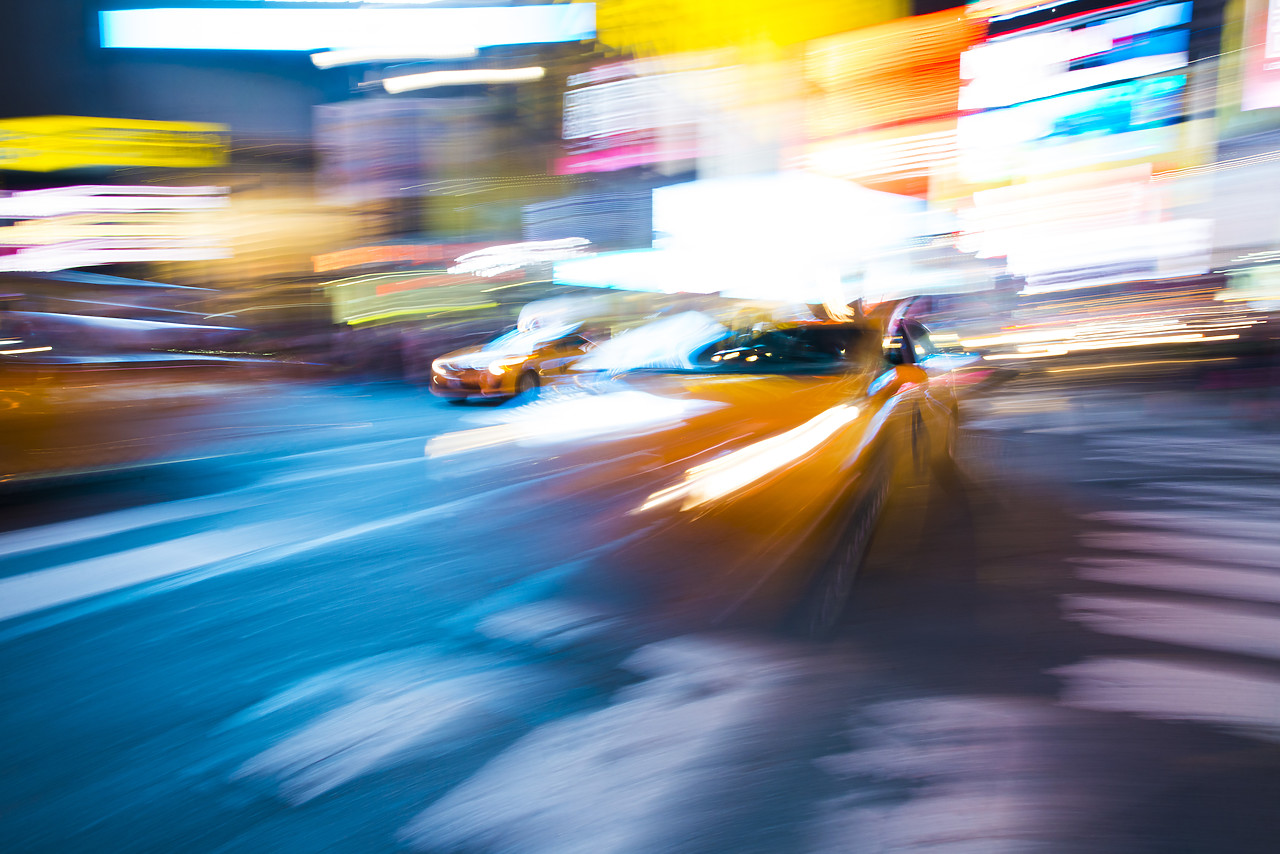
<point>527,385</point>
<point>828,598</point>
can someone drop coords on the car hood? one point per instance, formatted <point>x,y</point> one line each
<point>699,497</point>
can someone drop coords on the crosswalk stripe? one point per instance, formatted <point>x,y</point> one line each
<point>1237,699</point>
<point>1223,628</point>
<point>1220,550</point>
<point>1246,584</point>
<point>1220,524</point>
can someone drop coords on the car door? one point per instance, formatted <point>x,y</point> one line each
<point>561,354</point>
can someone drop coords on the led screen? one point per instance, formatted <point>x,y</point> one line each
<point>1127,121</point>
<point>1022,68</point>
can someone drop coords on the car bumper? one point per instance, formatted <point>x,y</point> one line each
<point>459,388</point>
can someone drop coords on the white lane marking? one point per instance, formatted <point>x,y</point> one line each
<point>1237,699</point>
<point>1247,584</point>
<point>196,557</point>
<point>46,588</point>
<point>115,522</point>
<point>301,477</point>
<point>121,521</point>
<point>353,449</point>
<point>1218,627</point>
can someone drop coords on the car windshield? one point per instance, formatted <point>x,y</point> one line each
<point>693,341</point>
<point>806,348</point>
<point>528,340</point>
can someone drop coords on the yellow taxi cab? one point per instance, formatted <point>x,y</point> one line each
<point>515,364</point>
<point>723,477</point>
<point>84,394</point>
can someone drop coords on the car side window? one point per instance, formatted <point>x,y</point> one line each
<point>921,344</point>
<point>896,350</point>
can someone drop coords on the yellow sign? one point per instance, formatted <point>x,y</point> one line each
<point>655,27</point>
<point>1000,8</point>
<point>50,143</point>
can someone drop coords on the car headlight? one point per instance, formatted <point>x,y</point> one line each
<point>437,365</point>
<point>499,366</point>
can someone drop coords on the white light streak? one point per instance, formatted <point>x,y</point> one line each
<point>318,29</point>
<point>734,471</point>
<point>514,256</point>
<point>91,198</point>
<point>572,419</point>
<point>361,56</point>
<point>25,350</point>
<point>462,77</point>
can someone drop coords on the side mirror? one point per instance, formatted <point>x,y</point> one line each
<point>894,345</point>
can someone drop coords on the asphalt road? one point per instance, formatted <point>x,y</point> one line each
<point>309,638</point>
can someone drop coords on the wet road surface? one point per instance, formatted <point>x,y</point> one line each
<point>311,638</point>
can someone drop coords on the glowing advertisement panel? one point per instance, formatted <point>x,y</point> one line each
<point>867,79</point>
<point>896,160</point>
<point>317,29</point>
<point>1261,55</point>
<point>86,225</point>
<point>1022,68</point>
<point>622,115</point>
<point>51,143</point>
<point>1001,8</point>
<point>1126,122</point>
<point>806,234</point>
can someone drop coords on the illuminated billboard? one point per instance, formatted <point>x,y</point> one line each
<point>659,27</point>
<point>1041,64</point>
<point>787,236</point>
<point>51,143</point>
<point>64,227</point>
<point>371,28</point>
<point>628,114</point>
<point>393,147</point>
<point>1086,230</point>
<point>1126,122</point>
<point>866,79</point>
<point>896,160</point>
<point>1261,60</point>
<point>1002,8</point>
<point>881,115</point>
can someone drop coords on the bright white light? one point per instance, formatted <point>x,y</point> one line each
<point>514,256</point>
<point>462,77</point>
<point>318,29</point>
<point>573,419</point>
<point>741,468</point>
<point>360,56</point>
<point>86,253</point>
<point>90,198</point>
<point>498,367</point>
<point>25,350</point>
